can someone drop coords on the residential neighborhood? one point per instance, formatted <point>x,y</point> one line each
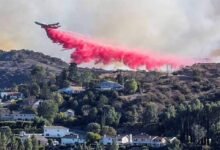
<point>86,110</point>
<point>63,137</point>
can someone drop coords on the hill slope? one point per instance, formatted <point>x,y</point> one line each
<point>15,65</point>
<point>200,81</point>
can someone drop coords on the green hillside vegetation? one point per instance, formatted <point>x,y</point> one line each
<point>185,103</point>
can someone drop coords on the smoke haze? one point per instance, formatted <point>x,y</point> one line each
<point>189,28</point>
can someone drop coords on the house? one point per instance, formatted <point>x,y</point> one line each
<point>7,115</point>
<point>107,140</point>
<point>119,139</point>
<point>158,142</point>
<point>11,95</point>
<point>139,140</point>
<point>69,113</point>
<point>123,139</point>
<point>22,116</point>
<point>142,139</point>
<point>152,141</point>
<point>72,90</point>
<point>109,85</point>
<point>55,131</point>
<point>41,139</point>
<point>37,103</point>
<point>171,139</point>
<point>72,139</point>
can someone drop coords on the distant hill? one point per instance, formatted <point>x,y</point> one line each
<point>15,65</point>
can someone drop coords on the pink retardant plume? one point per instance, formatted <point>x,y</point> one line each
<point>87,50</point>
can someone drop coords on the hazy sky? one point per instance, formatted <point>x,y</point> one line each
<point>180,27</point>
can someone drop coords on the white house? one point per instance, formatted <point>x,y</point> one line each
<point>72,139</point>
<point>11,95</point>
<point>142,139</point>
<point>152,141</point>
<point>109,85</point>
<point>158,142</point>
<point>16,116</point>
<point>55,131</point>
<point>7,115</point>
<point>124,139</point>
<point>107,140</point>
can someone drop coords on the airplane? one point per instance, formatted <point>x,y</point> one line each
<point>54,25</point>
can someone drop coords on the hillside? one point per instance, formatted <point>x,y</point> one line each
<point>15,66</point>
<point>200,81</point>
<point>156,103</point>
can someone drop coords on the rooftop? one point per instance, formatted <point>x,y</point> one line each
<point>55,127</point>
<point>70,136</point>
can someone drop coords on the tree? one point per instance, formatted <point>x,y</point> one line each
<point>107,130</point>
<point>40,122</point>
<point>3,141</point>
<point>111,117</point>
<point>175,145</point>
<point>92,96</point>
<point>215,129</point>
<point>35,89</point>
<point>73,72</point>
<point>48,110</point>
<point>38,74</point>
<point>93,113</point>
<point>58,98</point>
<point>28,144</point>
<point>170,112</point>
<point>93,137</point>
<point>20,145</point>
<point>6,131</point>
<point>85,109</point>
<point>45,92</point>
<point>120,78</point>
<point>114,146</point>
<point>66,83</point>
<point>103,100</point>
<point>86,77</point>
<point>63,79</point>
<point>13,143</point>
<point>131,117</point>
<point>198,132</point>
<point>151,113</point>
<point>93,127</point>
<point>24,89</point>
<point>34,143</point>
<point>131,86</point>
